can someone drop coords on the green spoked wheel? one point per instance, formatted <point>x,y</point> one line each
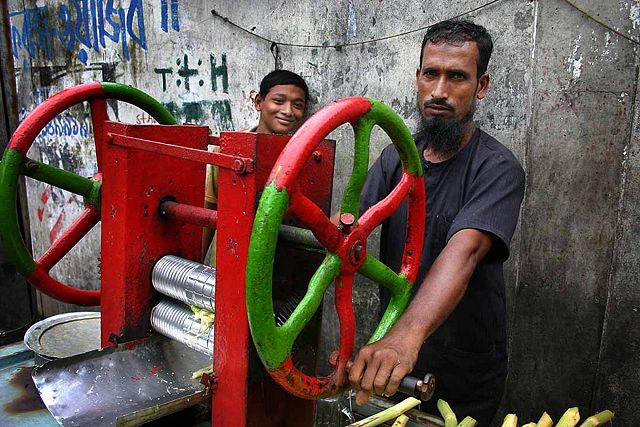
<point>345,244</point>
<point>15,163</point>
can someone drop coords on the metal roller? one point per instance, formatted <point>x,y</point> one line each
<point>187,281</point>
<point>176,321</point>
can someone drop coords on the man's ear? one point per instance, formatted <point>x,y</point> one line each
<point>417,77</point>
<point>257,102</point>
<point>483,86</point>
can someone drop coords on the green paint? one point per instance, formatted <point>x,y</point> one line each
<point>400,289</point>
<point>85,187</point>
<point>400,135</point>
<point>139,99</point>
<point>351,197</point>
<point>10,237</point>
<point>274,344</point>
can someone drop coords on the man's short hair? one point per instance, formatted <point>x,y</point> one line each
<point>282,77</point>
<point>457,32</point>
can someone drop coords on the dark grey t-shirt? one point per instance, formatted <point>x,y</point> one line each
<point>482,188</point>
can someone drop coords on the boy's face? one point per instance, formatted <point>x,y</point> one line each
<point>282,110</point>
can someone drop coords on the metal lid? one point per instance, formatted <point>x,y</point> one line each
<point>64,335</point>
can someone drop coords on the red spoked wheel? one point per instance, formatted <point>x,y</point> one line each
<point>345,245</point>
<point>15,163</point>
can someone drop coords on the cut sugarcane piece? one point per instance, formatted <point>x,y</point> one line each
<point>388,414</point>
<point>570,418</point>
<point>510,421</point>
<point>447,413</point>
<point>401,421</point>
<point>468,422</point>
<point>545,421</point>
<point>530,425</point>
<point>598,419</point>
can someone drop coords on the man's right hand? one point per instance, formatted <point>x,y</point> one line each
<point>379,367</point>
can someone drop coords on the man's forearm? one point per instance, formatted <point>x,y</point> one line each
<point>443,286</point>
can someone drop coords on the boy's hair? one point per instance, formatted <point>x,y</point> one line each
<point>457,32</point>
<point>282,77</point>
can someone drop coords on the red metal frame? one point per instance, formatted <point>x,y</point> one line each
<point>152,190</point>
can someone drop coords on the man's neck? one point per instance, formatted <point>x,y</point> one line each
<point>435,157</point>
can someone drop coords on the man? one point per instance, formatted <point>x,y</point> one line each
<point>281,102</point>
<point>454,326</point>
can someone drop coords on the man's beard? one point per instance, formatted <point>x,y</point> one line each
<point>443,136</point>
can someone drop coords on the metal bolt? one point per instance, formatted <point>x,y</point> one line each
<point>346,222</point>
<point>317,156</point>
<point>239,166</point>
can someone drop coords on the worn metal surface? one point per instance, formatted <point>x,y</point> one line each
<point>64,335</point>
<point>100,388</point>
<point>20,403</point>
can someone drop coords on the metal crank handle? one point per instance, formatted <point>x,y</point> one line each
<point>419,388</point>
<point>412,386</point>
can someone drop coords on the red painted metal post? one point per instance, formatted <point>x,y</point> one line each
<point>242,399</point>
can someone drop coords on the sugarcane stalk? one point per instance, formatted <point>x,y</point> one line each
<point>545,421</point>
<point>530,425</point>
<point>468,422</point>
<point>511,420</point>
<point>401,421</point>
<point>388,414</point>
<point>598,419</point>
<point>570,418</point>
<point>447,413</point>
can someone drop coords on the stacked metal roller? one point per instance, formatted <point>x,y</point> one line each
<point>190,283</point>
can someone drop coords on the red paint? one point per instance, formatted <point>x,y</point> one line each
<point>59,291</point>
<point>28,130</point>
<point>44,197</point>
<point>314,130</point>
<point>134,234</point>
<point>189,214</point>
<point>40,213</point>
<point>55,230</point>
<point>313,217</point>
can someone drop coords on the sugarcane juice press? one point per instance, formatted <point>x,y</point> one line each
<point>276,254</point>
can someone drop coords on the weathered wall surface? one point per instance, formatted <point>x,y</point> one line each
<point>563,98</point>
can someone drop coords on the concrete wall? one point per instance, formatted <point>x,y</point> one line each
<point>563,97</point>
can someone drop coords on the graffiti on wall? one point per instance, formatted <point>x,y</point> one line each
<point>83,26</point>
<point>209,78</point>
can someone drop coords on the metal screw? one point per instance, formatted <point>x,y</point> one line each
<point>239,166</point>
<point>317,156</point>
<point>346,222</point>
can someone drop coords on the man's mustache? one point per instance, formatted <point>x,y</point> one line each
<point>438,103</point>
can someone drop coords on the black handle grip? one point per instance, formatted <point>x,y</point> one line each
<point>419,388</point>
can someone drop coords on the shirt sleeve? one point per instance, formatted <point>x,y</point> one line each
<point>492,205</point>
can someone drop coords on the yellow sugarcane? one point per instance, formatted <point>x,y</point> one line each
<point>570,418</point>
<point>468,422</point>
<point>545,421</point>
<point>510,421</point>
<point>447,413</point>
<point>401,421</point>
<point>598,419</point>
<point>388,414</point>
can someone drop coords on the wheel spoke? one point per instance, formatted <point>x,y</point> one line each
<point>61,178</point>
<point>385,207</point>
<point>400,289</point>
<point>98,117</point>
<point>344,307</point>
<point>351,198</point>
<point>313,217</point>
<point>72,235</point>
<point>320,281</point>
